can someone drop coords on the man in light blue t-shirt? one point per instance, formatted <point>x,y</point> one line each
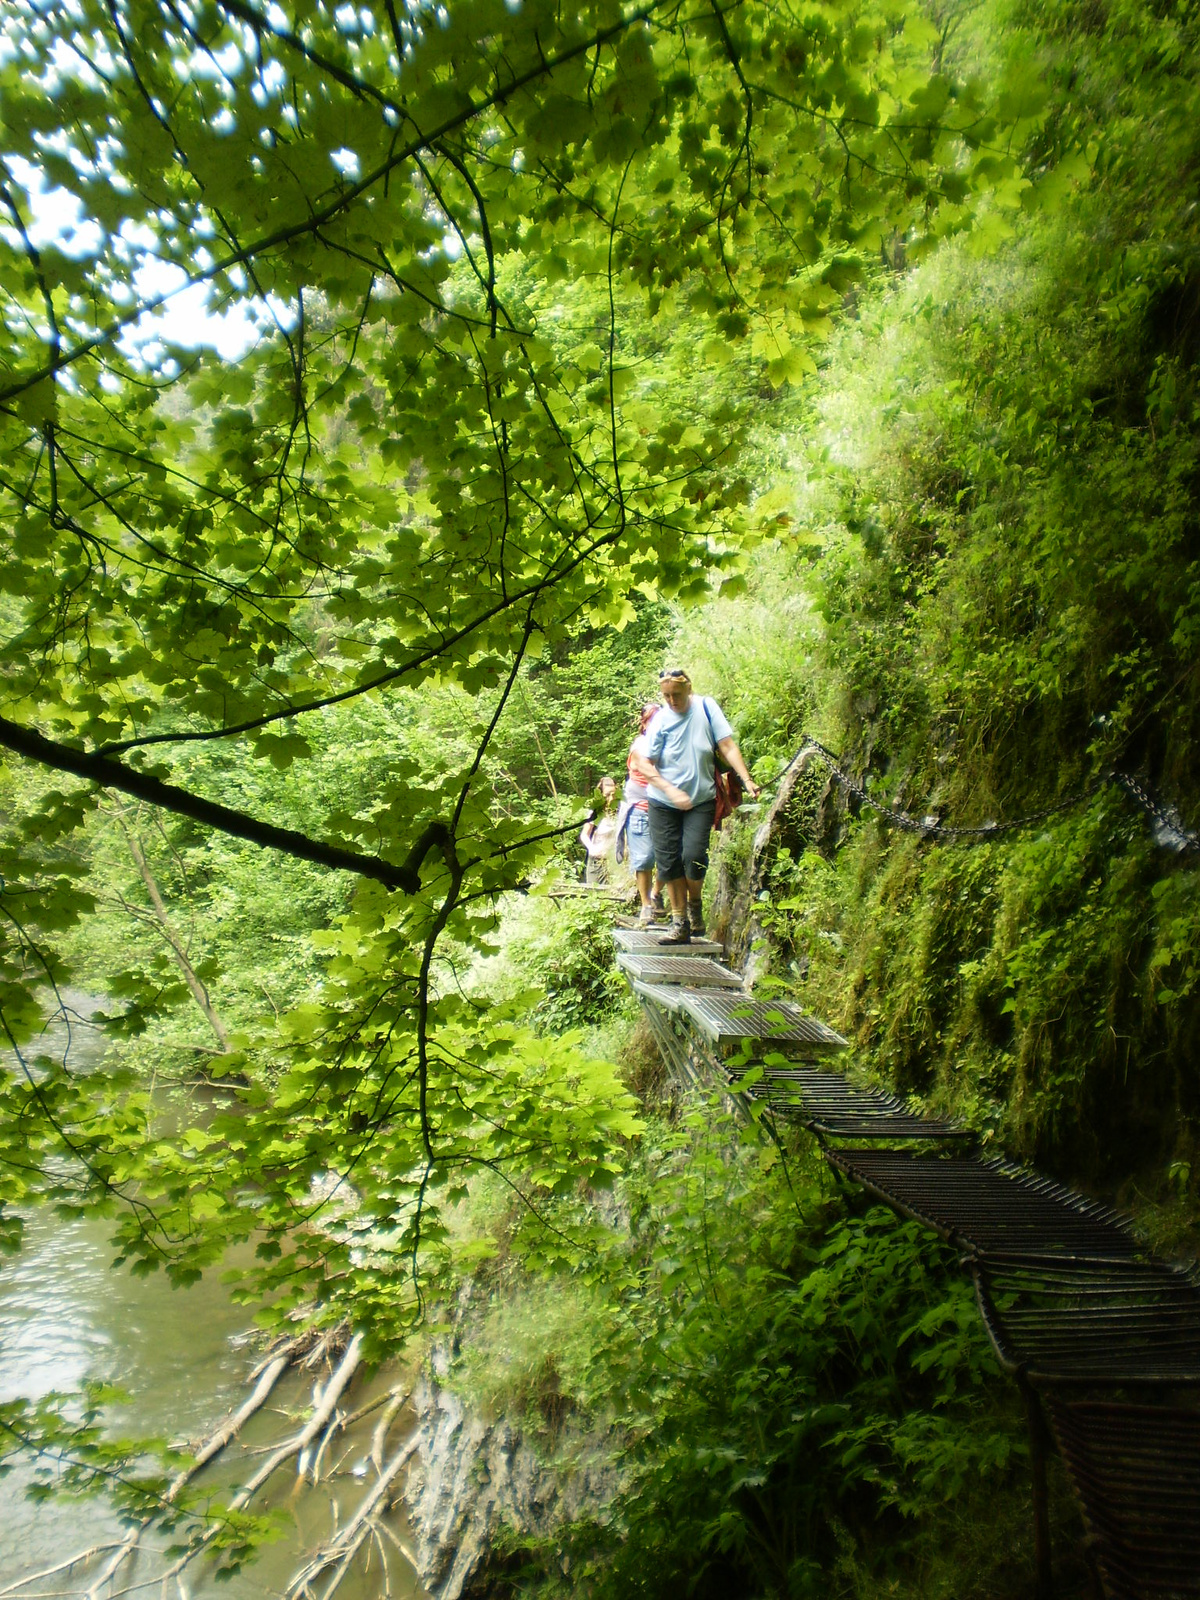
<point>685,740</point>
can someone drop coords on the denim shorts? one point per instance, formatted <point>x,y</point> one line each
<point>641,846</point>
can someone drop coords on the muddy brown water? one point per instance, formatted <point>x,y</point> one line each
<point>67,1316</point>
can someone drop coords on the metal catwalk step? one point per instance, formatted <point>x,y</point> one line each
<point>698,972</point>
<point>669,996</point>
<point>728,1018</point>
<point>830,1106</point>
<point>989,1206</point>
<point>649,940</point>
<point>1136,1470</point>
<point>1092,1322</point>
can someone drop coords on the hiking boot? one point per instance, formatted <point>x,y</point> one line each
<point>646,916</point>
<point>678,932</point>
<point>696,919</point>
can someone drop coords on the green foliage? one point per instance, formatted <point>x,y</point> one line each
<point>376,576</point>
<point>793,1393</point>
<point>510,322</point>
<point>67,1452</point>
<point>752,647</point>
<point>565,948</point>
<point>1014,984</point>
<point>996,495</point>
<point>577,714</point>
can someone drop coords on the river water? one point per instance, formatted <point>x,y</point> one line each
<point>67,1316</point>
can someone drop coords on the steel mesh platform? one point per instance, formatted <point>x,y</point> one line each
<point>989,1206</point>
<point>667,995</point>
<point>830,1106</point>
<point>1066,1292</point>
<point>699,972</point>
<point>649,941</point>
<point>1136,1470</point>
<point>670,1046</point>
<point>1088,1322</point>
<point>727,1017</point>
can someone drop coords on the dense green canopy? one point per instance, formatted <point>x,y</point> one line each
<point>439,462</point>
<point>381,388</point>
<point>499,259</point>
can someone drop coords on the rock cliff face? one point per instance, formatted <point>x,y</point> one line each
<point>804,811</point>
<point>473,1480</point>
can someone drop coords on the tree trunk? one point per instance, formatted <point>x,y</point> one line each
<point>324,1401</point>
<point>199,993</point>
<point>268,1375</point>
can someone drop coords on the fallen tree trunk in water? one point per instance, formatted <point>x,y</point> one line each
<point>379,1438</point>
<point>265,1376</point>
<point>345,1545</point>
<point>209,1450</point>
<point>268,1373</point>
<point>59,1566</point>
<point>299,1443</point>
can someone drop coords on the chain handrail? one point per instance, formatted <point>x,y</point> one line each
<point>1169,831</point>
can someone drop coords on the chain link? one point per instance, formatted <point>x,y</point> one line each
<point>1169,831</point>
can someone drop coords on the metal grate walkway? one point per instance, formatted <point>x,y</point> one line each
<point>832,1108</point>
<point>699,972</point>
<point>1069,1298</point>
<point>729,1019</point>
<point>647,941</point>
<point>1123,1323</point>
<point>1140,1471</point>
<point>986,1206</point>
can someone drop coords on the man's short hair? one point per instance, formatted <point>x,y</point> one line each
<point>673,673</point>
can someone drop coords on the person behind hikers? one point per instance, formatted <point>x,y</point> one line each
<point>636,815</point>
<point>684,742</point>
<point>599,834</point>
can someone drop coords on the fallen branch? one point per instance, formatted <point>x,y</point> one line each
<point>323,1348</point>
<point>344,1546</point>
<point>405,1550</point>
<point>303,1348</point>
<point>366,1410</point>
<point>59,1566</point>
<point>341,1424</point>
<point>379,1436</point>
<point>268,1377</point>
<point>325,1407</point>
<point>314,1472</point>
<point>322,1411</point>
